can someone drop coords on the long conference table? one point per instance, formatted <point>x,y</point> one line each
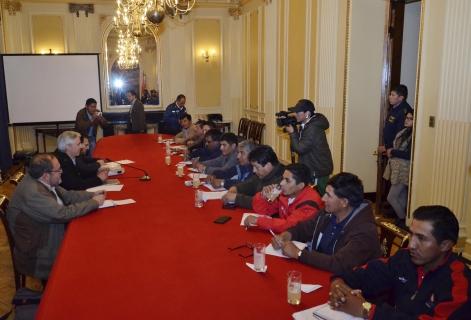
<point>162,258</point>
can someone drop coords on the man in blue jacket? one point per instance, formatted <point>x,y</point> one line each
<point>173,113</point>
<point>426,281</point>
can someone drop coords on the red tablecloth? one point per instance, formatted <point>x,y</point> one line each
<point>162,258</point>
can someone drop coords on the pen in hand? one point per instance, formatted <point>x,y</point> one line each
<point>276,238</point>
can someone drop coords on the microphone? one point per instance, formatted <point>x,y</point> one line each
<point>145,177</point>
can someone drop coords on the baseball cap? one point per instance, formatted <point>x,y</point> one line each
<point>303,105</point>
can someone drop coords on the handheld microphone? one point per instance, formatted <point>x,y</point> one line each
<point>145,177</point>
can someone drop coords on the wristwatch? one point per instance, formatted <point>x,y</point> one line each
<point>366,309</point>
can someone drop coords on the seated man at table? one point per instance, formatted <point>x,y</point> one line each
<point>189,130</point>
<point>238,173</point>
<point>38,213</point>
<point>68,149</point>
<point>267,170</point>
<point>427,281</point>
<point>297,201</point>
<point>203,126</point>
<point>87,165</point>
<point>226,160</point>
<point>211,148</point>
<point>341,236</point>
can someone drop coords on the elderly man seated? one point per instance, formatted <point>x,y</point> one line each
<point>341,236</point>
<point>426,281</point>
<point>68,149</point>
<point>226,160</point>
<point>38,213</point>
<point>293,200</point>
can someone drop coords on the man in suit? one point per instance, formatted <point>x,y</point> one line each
<point>173,113</point>
<point>137,117</point>
<point>73,178</point>
<point>87,121</point>
<point>38,213</point>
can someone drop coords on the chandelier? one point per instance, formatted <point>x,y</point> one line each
<point>143,16</point>
<point>128,50</point>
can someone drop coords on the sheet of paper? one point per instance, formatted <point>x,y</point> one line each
<point>308,288</point>
<point>323,311</point>
<point>106,187</point>
<point>124,161</point>
<point>251,214</point>
<point>107,203</point>
<point>251,266</point>
<point>193,169</point>
<point>209,195</point>
<point>113,181</point>
<point>178,147</point>
<point>183,163</point>
<point>124,201</point>
<point>200,175</point>
<point>278,253</point>
<point>211,188</point>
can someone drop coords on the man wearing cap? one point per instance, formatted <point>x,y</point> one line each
<point>310,143</point>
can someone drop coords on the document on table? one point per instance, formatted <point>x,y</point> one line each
<point>213,195</point>
<point>246,214</point>
<point>211,188</point>
<point>324,312</point>
<point>278,253</point>
<point>199,175</point>
<point>124,161</point>
<point>193,169</point>
<point>183,163</point>
<point>106,187</point>
<point>112,203</point>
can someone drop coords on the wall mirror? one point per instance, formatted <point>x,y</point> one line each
<point>143,78</point>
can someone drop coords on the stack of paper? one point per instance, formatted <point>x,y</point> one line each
<point>106,187</point>
<point>183,163</point>
<point>199,175</point>
<point>211,188</point>
<point>213,195</point>
<point>112,203</point>
<point>124,161</point>
<point>324,312</point>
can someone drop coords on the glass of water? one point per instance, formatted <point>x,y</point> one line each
<point>259,256</point>
<point>198,199</point>
<point>294,287</point>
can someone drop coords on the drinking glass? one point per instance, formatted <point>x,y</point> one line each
<point>294,287</point>
<point>198,199</point>
<point>259,256</point>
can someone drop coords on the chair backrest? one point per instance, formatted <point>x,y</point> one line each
<point>243,130</point>
<point>391,236</point>
<point>256,131</point>
<point>19,279</point>
<point>17,177</point>
<point>215,117</point>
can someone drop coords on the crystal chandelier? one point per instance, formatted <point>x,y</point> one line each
<point>143,16</point>
<point>128,50</point>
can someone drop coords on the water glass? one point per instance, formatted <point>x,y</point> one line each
<point>196,180</point>
<point>274,194</point>
<point>294,287</point>
<point>180,170</point>
<point>168,160</point>
<point>198,199</point>
<point>259,256</point>
<point>159,139</point>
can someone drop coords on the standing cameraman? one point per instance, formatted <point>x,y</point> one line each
<point>310,143</point>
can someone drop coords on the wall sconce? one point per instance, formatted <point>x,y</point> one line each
<point>206,54</point>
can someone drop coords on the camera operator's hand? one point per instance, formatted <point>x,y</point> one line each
<point>289,129</point>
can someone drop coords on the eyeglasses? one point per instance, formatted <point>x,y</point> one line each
<point>59,171</point>
<point>409,118</point>
<point>245,245</point>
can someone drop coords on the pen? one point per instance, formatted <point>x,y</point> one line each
<point>275,237</point>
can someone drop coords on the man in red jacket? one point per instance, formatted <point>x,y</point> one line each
<point>293,200</point>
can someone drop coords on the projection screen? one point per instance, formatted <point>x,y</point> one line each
<point>49,88</point>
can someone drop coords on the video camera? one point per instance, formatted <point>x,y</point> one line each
<point>285,118</point>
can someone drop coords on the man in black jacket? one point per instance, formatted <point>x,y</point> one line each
<point>267,170</point>
<point>68,149</point>
<point>427,281</point>
<point>310,143</point>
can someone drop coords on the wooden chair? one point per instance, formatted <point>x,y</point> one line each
<point>20,279</point>
<point>391,236</point>
<point>17,177</point>
<point>256,131</point>
<point>243,130</point>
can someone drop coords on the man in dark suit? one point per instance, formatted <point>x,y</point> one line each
<point>38,213</point>
<point>137,117</point>
<point>87,121</point>
<point>68,151</point>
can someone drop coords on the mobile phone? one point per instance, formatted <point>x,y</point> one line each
<point>222,219</point>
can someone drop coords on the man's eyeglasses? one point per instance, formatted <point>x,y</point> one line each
<point>59,171</point>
